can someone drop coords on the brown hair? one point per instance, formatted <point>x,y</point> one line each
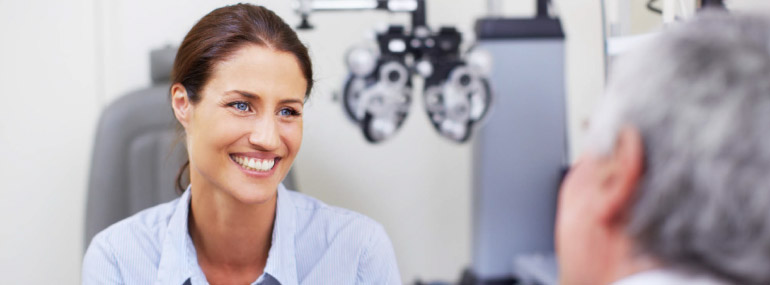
<point>222,32</point>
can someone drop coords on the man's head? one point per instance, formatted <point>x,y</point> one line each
<point>677,173</point>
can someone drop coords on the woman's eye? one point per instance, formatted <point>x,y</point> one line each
<point>240,106</point>
<point>288,112</point>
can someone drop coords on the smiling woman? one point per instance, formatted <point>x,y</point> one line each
<point>241,78</point>
<point>246,117</point>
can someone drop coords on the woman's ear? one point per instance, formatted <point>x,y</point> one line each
<point>181,104</point>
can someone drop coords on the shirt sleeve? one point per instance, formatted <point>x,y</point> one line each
<point>99,263</point>
<point>378,260</point>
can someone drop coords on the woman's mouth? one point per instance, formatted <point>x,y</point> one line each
<point>254,164</point>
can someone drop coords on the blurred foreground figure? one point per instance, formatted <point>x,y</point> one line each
<point>674,187</point>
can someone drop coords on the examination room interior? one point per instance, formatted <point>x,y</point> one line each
<point>63,62</point>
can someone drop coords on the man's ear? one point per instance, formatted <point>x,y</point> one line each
<point>181,104</point>
<point>619,186</point>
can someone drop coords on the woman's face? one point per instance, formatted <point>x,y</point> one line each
<point>243,135</point>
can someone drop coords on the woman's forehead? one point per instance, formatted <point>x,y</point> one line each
<point>259,70</point>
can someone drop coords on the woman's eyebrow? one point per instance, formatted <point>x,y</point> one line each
<point>246,94</point>
<point>287,101</point>
<point>253,96</point>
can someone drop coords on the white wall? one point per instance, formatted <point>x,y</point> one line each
<point>48,110</point>
<point>62,61</point>
<point>582,23</point>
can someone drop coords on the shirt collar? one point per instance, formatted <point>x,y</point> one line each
<point>172,268</point>
<point>178,261</point>
<point>665,276</point>
<point>281,259</point>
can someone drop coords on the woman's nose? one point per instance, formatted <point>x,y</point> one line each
<point>265,134</point>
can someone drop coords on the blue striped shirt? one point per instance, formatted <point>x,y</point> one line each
<point>312,243</point>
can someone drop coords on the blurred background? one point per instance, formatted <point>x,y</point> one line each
<point>63,62</point>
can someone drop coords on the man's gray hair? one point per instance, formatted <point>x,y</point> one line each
<point>700,96</point>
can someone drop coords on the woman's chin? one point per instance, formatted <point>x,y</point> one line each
<point>254,194</point>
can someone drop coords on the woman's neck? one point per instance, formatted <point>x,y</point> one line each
<point>229,236</point>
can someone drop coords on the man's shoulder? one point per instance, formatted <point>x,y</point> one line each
<point>666,276</point>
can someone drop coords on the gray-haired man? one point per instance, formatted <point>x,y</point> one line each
<point>675,185</point>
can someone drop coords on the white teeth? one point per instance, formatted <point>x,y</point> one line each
<point>255,164</point>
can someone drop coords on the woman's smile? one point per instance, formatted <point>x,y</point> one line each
<point>256,164</point>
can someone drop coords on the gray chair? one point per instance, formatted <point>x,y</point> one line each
<point>137,152</point>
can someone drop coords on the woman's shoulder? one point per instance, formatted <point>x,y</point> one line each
<point>335,223</point>
<point>129,248</point>
<point>341,234</point>
<point>144,230</point>
<point>151,221</point>
<point>310,209</point>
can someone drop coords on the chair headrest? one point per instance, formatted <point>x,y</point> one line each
<point>161,62</point>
